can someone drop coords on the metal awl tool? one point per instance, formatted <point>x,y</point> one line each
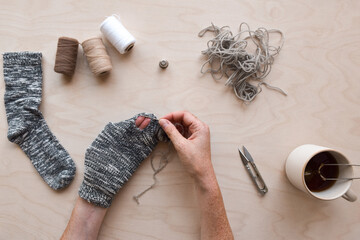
<point>337,165</point>
<point>254,173</point>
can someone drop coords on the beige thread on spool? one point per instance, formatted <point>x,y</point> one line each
<point>97,57</point>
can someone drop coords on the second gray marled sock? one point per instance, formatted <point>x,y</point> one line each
<point>114,156</point>
<point>27,126</point>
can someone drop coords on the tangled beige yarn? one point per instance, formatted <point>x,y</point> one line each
<point>227,55</point>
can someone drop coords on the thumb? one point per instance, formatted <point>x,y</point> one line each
<point>171,131</point>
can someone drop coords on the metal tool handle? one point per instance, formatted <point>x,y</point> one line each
<point>259,181</point>
<point>325,178</point>
<point>337,164</point>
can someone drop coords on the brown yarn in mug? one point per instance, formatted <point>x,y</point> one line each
<point>97,57</point>
<point>66,55</point>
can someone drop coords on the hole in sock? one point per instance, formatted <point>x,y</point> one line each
<point>142,122</point>
<point>145,123</point>
<point>139,120</point>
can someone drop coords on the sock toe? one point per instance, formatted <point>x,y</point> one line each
<point>62,180</point>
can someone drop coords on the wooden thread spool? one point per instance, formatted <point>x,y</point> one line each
<point>66,56</point>
<point>97,57</point>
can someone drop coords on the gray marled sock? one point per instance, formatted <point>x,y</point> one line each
<point>27,127</point>
<point>115,155</point>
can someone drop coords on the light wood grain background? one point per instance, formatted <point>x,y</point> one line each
<point>318,68</point>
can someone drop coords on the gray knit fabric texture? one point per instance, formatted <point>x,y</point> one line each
<point>115,155</point>
<point>27,127</point>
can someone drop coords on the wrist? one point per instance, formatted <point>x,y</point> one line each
<point>85,221</point>
<point>206,181</point>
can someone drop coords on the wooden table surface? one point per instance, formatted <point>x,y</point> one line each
<point>318,67</point>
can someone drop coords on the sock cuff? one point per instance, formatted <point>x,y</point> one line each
<point>22,58</point>
<point>94,196</point>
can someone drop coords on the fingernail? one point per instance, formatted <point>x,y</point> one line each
<point>163,122</point>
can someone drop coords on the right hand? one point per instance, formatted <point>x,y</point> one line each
<point>194,147</point>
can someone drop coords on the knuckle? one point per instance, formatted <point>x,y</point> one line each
<point>205,127</point>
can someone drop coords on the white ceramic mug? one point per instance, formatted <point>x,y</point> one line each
<point>295,170</point>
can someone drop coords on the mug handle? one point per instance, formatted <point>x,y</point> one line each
<point>350,196</point>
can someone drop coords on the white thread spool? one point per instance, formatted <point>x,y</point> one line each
<point>117,34</point>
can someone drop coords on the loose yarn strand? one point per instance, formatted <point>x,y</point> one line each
<point>163,162</point>
<point>229,52</point>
